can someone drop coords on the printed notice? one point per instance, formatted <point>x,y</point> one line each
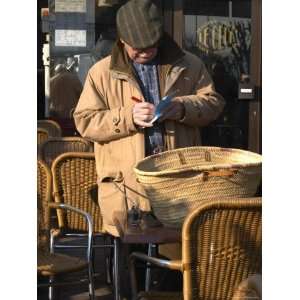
<point>246,90</point>
<point>70,6</point>
<point>70,38</point>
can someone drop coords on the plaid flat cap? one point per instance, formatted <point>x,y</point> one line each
<point>139,23</point>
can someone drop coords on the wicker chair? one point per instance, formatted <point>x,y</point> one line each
<point>52,264</point>
<point>51,126</point>
<point>54,146</point>
<point>42,135</point>
<point>75,183</point>
<point>221,247</point>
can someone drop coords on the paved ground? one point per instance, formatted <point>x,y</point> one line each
<point>79,291</point>
<point>161,280</point>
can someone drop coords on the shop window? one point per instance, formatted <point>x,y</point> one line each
<point>219,32</point>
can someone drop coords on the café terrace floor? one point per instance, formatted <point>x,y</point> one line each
<point>160,280</point>
<point>79,291</point>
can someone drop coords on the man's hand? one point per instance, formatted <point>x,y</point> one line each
<point>143,113</point>
<point>174,111</point>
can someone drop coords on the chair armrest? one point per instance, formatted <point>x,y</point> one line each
<point>168,264</point>
<point>88,218</point>
<point>164,263</point>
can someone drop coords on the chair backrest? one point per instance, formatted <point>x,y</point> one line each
<point>44,185</point>
<point>221,246</point>
<point>42,135</point>
<point>51,126</point>
<point>75,183</point>
<point>55,146</point>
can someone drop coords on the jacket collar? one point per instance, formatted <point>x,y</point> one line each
<point>168,54</point>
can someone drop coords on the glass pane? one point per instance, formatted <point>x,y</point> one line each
<point>80,33</point>
<point>219,32</point>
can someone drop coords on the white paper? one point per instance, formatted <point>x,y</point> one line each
<point>165,101</point>
<point>70,6</point>
<point>247,91</point>
<point>70,38</point>
<point>160,107</point>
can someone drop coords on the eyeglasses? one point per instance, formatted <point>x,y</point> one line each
<point>139,50</point>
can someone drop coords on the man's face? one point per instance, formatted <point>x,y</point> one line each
<point>140,56</point>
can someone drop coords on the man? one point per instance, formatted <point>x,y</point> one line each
<point>119,98</point>
<point>65,90</point>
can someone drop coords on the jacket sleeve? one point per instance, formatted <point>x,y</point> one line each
<point>96,121</point>
<point>206,104</point>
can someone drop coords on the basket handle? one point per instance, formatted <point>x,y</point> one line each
<point>219,173</point>
<point>213,173</point>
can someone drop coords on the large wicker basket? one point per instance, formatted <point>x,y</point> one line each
<point>177,181</point>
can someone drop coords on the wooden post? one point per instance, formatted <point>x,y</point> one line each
<point>254,132</point>
<point>178,21</point>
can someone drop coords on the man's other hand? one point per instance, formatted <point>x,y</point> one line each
<point>174,111</point>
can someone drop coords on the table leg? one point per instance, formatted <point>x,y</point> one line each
<point>151,252</point>
<point>116,269</point>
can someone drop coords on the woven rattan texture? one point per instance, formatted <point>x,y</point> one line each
<point>177,181</point>
<point>222,248</point>
<point>53,264</point>
<point>75,183</point>
<point>43,197</point>
<point>51,126</point>
<point>53,147</point>
<point>42,135</point>
<point>47,263</point>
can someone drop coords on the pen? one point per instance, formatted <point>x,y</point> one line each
<point>136,99</point>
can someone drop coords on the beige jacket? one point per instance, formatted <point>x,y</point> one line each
<point>104,116</point>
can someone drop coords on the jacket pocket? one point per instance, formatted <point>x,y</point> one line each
<point>111,195</point>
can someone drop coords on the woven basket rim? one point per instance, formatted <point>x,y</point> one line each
<point>198,168</point>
